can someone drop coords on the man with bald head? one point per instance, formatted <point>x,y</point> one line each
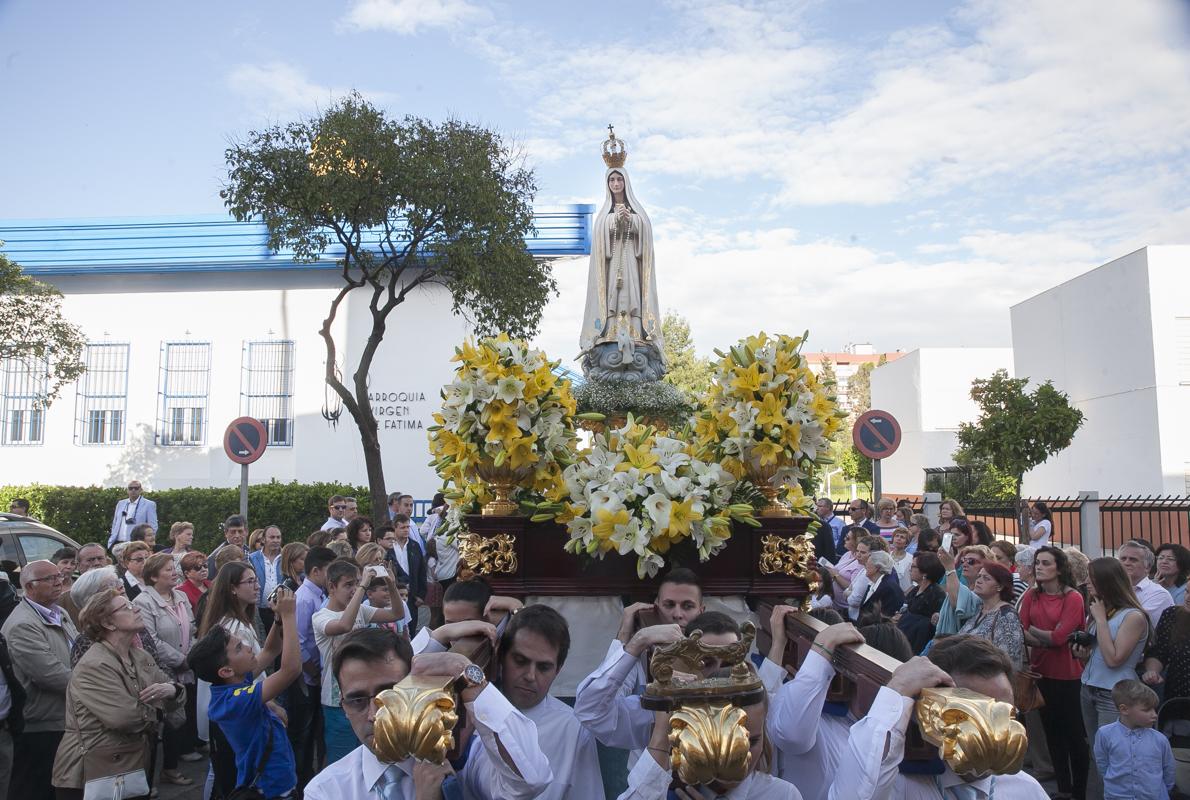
<point>39,638</point>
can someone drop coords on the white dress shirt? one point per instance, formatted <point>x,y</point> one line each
<point>270,574</point>
<point>807,742</point>
<point>608,701</point>
<point>332,523</point>
<point>648,781</point>
<point>498,723</point>
<point>1154,599</point>
<point>401,555</point>
<point>858,594</point>
<point>568,746</point>
<point>355,776</point>
<point>868,767</point>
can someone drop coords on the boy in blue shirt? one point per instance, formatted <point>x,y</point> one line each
<point>1135,759</point>
<point>239,704</point>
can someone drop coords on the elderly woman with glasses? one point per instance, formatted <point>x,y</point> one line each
<point>88,585</point>
<point>132,567</point>
<point>194,585</point>
<point>115,694</point>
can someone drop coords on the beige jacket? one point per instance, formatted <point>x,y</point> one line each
<point>164,626</point>
<point>41,660</point>
<point>108,730</point>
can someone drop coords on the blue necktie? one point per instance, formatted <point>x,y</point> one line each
<point>388,787</point>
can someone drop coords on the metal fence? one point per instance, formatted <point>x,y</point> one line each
<point>1155,518</point>
<point>1005,523</point>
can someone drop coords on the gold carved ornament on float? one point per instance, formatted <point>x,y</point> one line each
<point>782,555</point>
<point>416,718</point>
<point>488,555</point>
<point>977,736</point>
<point>708,735</point>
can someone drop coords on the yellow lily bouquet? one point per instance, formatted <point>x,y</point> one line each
<point>767,416</point>
<point>636,491</point>
<point>506,411</point>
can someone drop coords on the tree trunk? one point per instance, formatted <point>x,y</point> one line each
<point>376,488</point>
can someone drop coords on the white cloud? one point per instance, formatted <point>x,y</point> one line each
<point>1000,90</point>
<point>278,89</point>
<point>408,16</point>
<point>730,286</point>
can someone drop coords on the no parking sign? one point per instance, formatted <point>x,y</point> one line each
<point>877,435</point>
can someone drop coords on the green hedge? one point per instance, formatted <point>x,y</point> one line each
<point>84,513</point>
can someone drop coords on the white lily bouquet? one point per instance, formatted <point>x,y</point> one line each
<point>635,491</point>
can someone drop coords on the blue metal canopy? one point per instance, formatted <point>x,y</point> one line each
<point>214,243</point>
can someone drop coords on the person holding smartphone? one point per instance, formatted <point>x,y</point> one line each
<point>344,612</point>
<point>1118,631</point>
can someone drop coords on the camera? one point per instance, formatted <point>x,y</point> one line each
<point>1081,638</point>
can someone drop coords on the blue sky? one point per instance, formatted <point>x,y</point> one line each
<point>899,173</point>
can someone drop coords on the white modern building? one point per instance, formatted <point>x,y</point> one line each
<point>192,323</point>
<point>1117,340</point>
<point>928,392</point>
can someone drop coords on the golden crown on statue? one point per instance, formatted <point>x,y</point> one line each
<point>615,153</point>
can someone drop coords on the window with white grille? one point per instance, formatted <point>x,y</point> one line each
<point>183,393</point>
<point>266,388</point>
<point>101,404</point>
<point>22,406</point>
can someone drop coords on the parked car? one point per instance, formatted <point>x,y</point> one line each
<point>23,540</point>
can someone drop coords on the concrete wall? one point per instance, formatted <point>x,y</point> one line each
<point>227,309</point>
<point>928,391</point>
<point>1108,338</point>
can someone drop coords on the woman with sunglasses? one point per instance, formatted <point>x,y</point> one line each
<point>132,567</point>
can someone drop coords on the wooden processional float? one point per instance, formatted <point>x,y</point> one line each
<point>975,735</point>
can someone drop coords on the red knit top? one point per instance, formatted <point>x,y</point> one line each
<point>1061,614</point>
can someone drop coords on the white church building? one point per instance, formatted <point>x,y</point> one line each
<point>192,322</point>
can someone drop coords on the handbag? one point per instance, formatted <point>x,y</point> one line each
<point>131,783</point>
<point>249,790</point>
<point>117,787</point>
<point>1025,693</point>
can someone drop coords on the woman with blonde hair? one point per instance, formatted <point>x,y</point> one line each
<point>112,702</point>
<point>132,566</point>
<point>293,564</point>
<point>1080,566</point>
<point>255,540</point>
<point>949,509</point>
<point>181,536</point>
<point>370,555</point>
<point>886,520</point>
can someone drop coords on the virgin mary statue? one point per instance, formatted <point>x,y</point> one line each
<point>621,335</point>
